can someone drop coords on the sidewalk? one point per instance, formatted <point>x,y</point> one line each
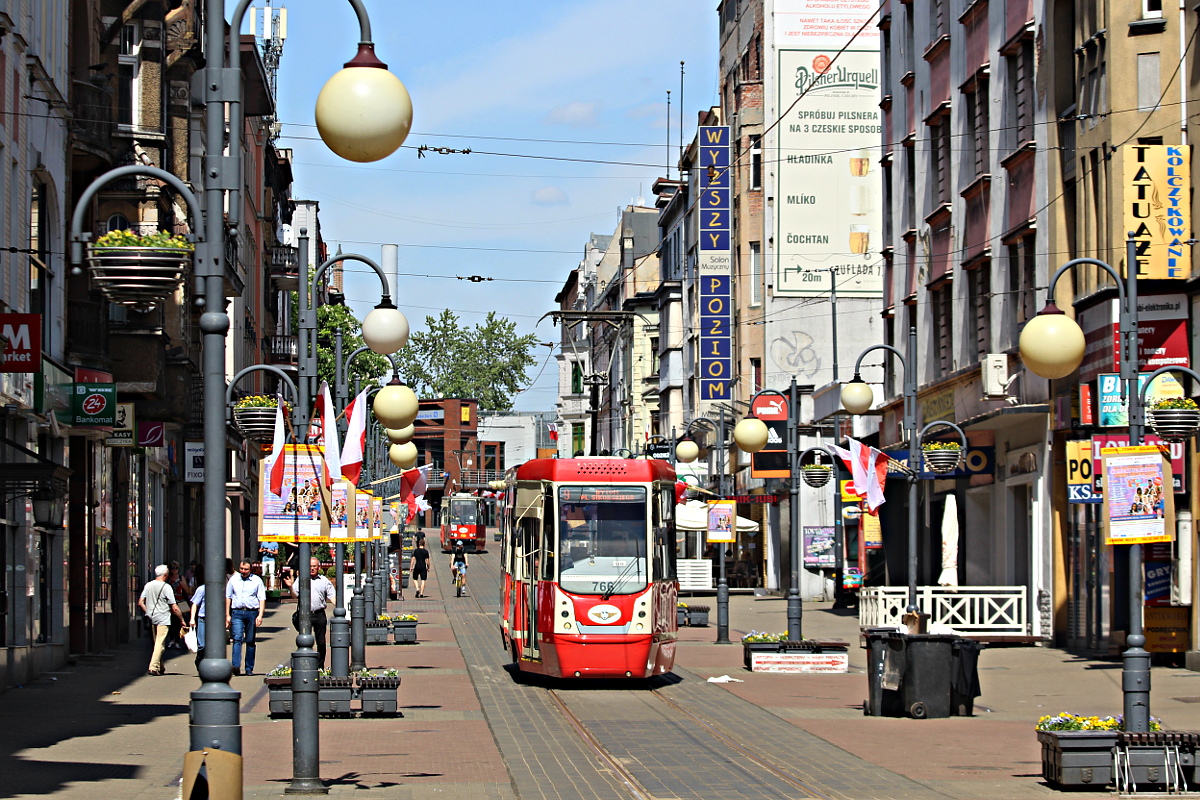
<point>103,728</point>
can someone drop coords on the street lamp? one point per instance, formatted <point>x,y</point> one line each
<point>687,451</point>
<point>857,398</point>
<point>1052,346</point>
<point>751,435</point>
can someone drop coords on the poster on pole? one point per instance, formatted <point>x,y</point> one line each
<point>300,513</point>
<point>722,516</point>
<point>377,517</point>
<point>1138,506</point>
<point>870,534</point>
<point>341,526</point>
<point>362,516</point>
<point>819,547</point>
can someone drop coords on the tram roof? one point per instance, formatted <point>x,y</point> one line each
<point>596,468</point>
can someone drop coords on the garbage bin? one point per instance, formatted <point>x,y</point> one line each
<point>964,685</point>
<point>885,664</point>
<point>928,674</point>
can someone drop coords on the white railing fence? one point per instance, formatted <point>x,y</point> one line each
<point>979,610</point>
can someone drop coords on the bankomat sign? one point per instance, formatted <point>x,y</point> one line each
<point>22,335</point>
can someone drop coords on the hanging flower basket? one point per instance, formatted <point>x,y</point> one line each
<point>139,271</point>
<point>816,475</point>
<point>1175,420</point>
<point>256,423</point>
<point>941,457</point>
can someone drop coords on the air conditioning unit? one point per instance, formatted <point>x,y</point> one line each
<point>995,376</point>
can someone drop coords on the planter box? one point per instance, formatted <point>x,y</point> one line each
<point>334,696</point>
<point>377,633</point>
<point>405,632</point>
<point>255,423</point>
<point>1078,758</point>
<point>797,657</point>
<point>1147,758</point>
<point>697,616</point>
<point>280,695</point>
<point>378,695</point>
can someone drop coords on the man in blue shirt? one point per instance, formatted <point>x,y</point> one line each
<point>245,603</point>
<point>268,553</point>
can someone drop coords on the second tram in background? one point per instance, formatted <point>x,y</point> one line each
<point>464,520</point>
<point>588,567</point>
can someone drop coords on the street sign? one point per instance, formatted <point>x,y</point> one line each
<point>1080,477</point>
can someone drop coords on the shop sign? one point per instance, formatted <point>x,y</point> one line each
<point>1166,629</point>
<point>1080,477</point>
<point>1157,583</point>
<point>870,533</point>
<point>1114,408</point>
<point>938,406</point>
<point>1176,450</point>
<point>1162,333</point>
<point>1157,208</point>
<point>152,434</point>
<point>193,462</point>
<point>94,405</point>
<point>22,335</point>
<point>124,427</point>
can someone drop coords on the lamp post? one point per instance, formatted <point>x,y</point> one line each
<point>751,436</point>
<point>857,398</point>
<point>1052,346</point>
<point>687,451</point>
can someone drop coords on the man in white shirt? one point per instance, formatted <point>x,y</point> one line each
<point>157,602</point>
<point>245,603</point>
<point>321,593</point>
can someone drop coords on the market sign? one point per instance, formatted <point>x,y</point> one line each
<point>22,340</point>
<point>1158,208</point>
<point>94,405</point>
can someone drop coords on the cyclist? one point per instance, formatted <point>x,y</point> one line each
<point>458,565</point>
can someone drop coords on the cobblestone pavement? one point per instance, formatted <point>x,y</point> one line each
<point>471,729</point>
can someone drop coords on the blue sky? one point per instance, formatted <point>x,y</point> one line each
<point>591,75</point>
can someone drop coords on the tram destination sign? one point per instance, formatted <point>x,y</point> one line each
<point>602,494</point>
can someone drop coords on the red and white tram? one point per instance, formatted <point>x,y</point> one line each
<point>588,565</point>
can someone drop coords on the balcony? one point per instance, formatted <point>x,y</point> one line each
<point>283,268</point>
<point>93,124</point>
<point>281,350</point>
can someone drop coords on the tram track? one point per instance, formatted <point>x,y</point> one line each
<point>687,724</point>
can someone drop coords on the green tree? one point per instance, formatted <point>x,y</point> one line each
<point>487,362</point>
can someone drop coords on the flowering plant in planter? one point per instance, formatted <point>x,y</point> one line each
<point>282,671</point>
<point>384,617</point>
<point>935,446</point>
<point>681,605</point>
<point>158,239</point>
<point>762,637</point>
<point>1066,721</point>
<point>405,618</point>
<point>261,401</point>
<point>1175,404</point>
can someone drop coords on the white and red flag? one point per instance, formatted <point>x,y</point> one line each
<point>356,439</point>
<point>868,469</point>
<point>553,428</point>
<point>413,482</point>
<point>329,439</point>
<point>278,442</point>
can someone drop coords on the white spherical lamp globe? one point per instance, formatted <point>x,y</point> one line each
<point>396,406</point>
<point>364,112</point>
<point>385,330</point>
<point>403,456</point>
<point>857,396</point>
<point>401,436</point>
<point>751,435</point>
<point>1051,344</point>
<point>687,451</point>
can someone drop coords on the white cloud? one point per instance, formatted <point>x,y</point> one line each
<point>550,196</point>
<point>576,114</point>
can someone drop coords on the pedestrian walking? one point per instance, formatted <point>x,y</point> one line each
<point>419,566</point>
<point>183,593</point>
<point>321,593</point>
<point>198,616</point>
<point>269,555</point>
<point>157,602</point>
<point>245,603</point>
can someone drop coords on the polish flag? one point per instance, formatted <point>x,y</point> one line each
<point>356,439</point>
<point>414,482</point>
<point>868,468</point>
<point>681,488</point>
<point>278,442</point>
<point>329,439</point>
<point>553,428</point>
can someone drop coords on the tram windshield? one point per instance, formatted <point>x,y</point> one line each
<point>602,539</point>
<point>462,512</point>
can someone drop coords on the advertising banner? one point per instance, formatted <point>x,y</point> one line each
<point>362,516</point>
<point>1114,408</point>
<point>1137,508</point>
<point>341,523</point>
<point>722,516</point>
<point>870,534</point>
<point>300,513</point>
<point>1158,208</point>
<point>1175,449</point>
<point>829,198</point>
<point>377,517</point>
<point>715,263</point>
<point>819,547</point>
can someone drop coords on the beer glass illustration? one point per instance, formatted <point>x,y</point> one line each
<point>860,239</point>
<point>860,163</point>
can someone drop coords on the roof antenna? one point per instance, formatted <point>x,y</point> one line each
<point>681,114</point>
<point>668,134</point>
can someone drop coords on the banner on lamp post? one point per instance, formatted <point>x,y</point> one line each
<point>301,512</point>
<point>722,520</point>
<point>1139,507</point>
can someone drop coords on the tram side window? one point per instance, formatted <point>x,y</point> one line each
<point>664,535</point>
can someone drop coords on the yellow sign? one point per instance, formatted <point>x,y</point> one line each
<point>869,532</point>
<point>1079,473</point>
<point>939,405</point>
<point>466,414</point>
<point>1166,628</point>
<point>846,487</point>
<point>1158,208</point>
